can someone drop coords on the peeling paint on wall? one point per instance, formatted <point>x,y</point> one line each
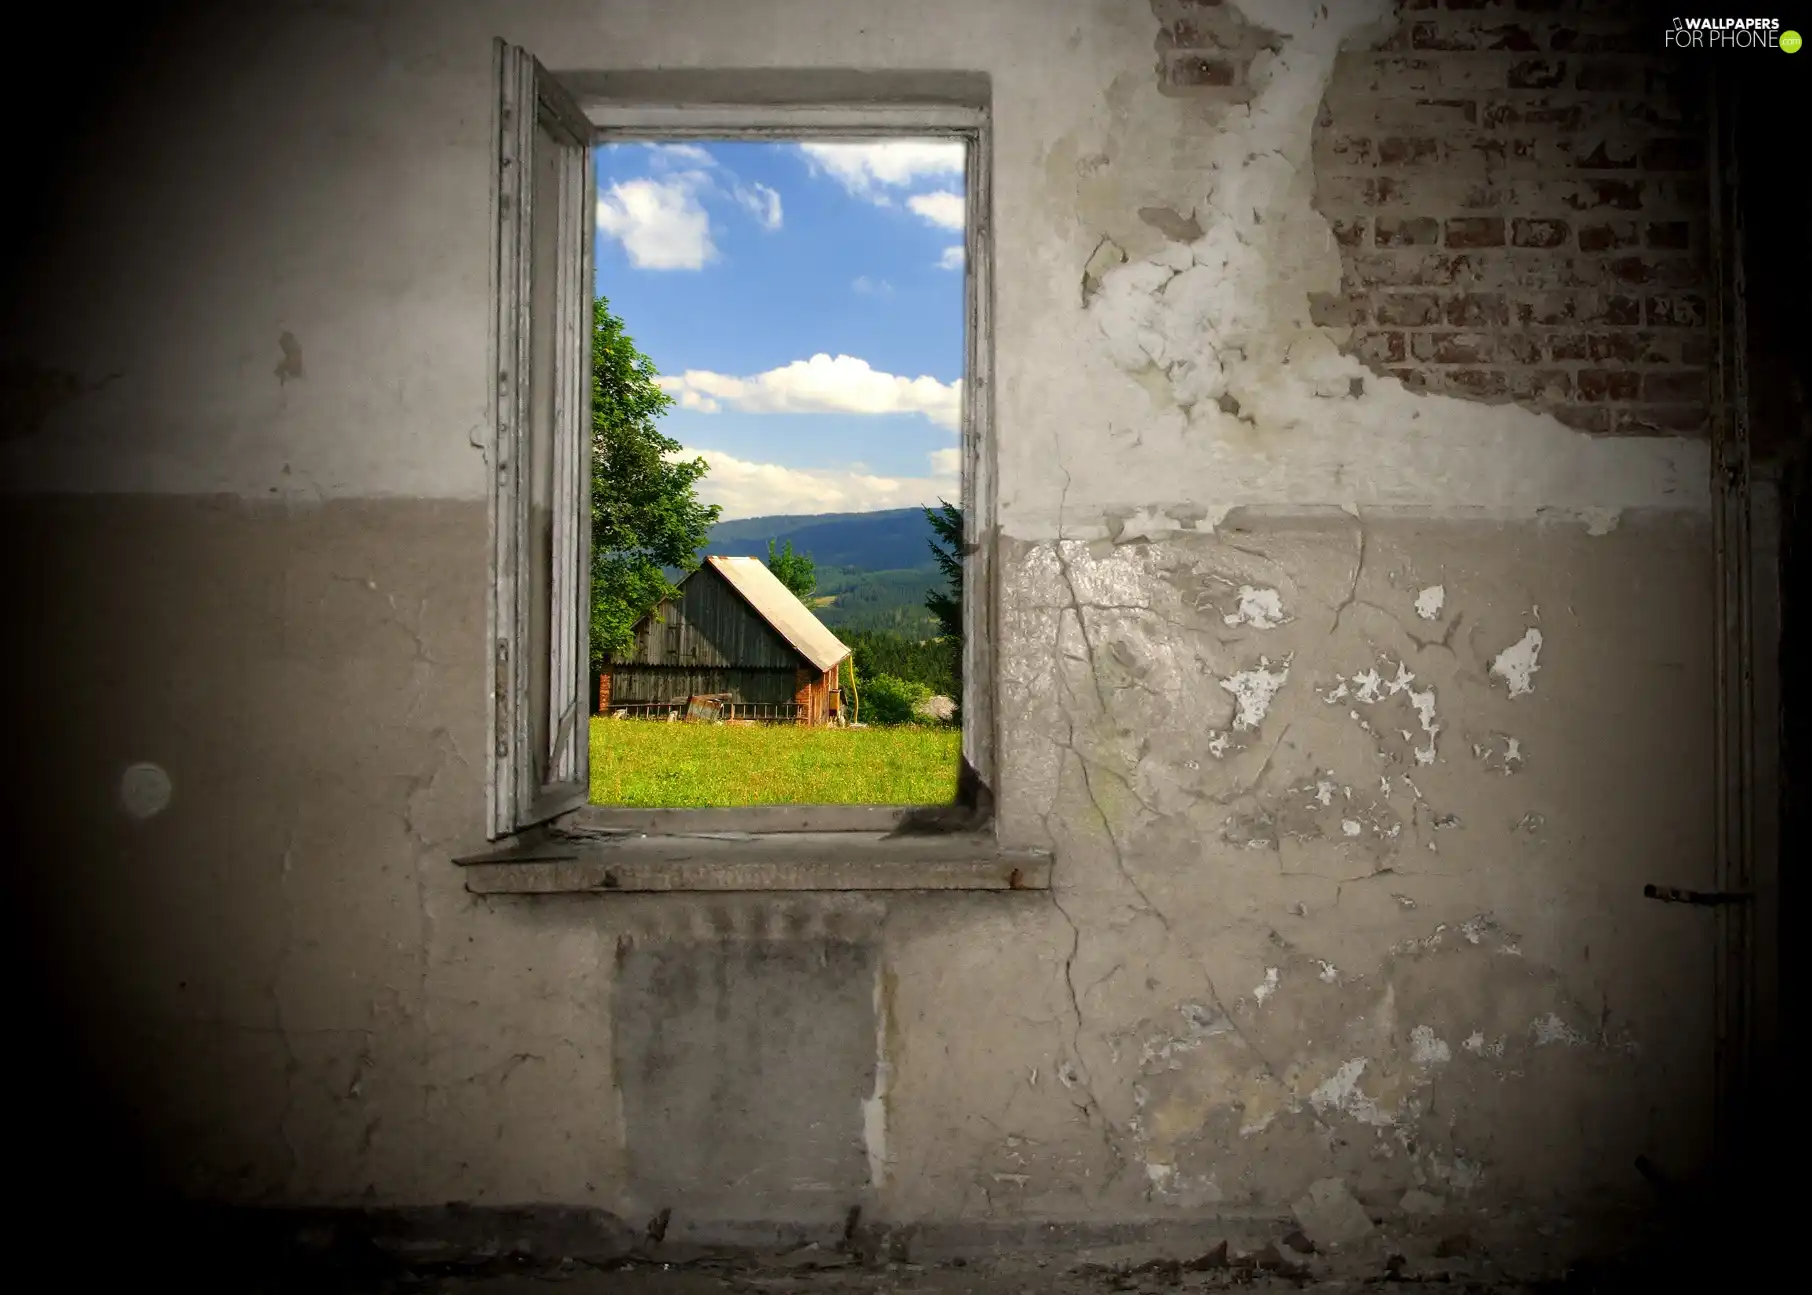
<point>1253,690</point>
<point>1516,666</point>
<point>1262,609</point>
<point>1254,404</point>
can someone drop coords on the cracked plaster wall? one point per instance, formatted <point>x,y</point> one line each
<point>1357,718</point>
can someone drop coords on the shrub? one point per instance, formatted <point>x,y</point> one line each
<point>887,699</point>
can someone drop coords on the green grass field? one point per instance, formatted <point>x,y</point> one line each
<point>653,764</point>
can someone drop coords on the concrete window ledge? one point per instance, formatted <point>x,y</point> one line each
<point>633,862</point>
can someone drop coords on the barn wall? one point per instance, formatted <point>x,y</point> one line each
<point>710,624</point>
<point>637,684</point>
<point>1357,706</point>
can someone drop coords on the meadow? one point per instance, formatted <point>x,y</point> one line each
<point>651,763</point>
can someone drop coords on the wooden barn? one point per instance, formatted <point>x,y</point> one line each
<point>733,632</point>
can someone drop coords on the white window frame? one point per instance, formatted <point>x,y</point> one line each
<point>516,801</point>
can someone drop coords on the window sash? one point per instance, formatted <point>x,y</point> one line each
<point>540,514</point>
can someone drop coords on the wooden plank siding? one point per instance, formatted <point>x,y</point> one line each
<point>710,625</point>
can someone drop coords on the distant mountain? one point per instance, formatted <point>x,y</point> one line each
<point>874,569</point>
<point>890,540</point>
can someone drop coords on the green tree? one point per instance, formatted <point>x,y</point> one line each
<point>794,570</point>
<point>947,606</point>
<point>887,700</point>
<point>645,513</point>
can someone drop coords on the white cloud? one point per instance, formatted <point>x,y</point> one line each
<point>952,259</point>
<point>946,463</point>
<point>820,385</point>
<point>943,208</point>
<point>660,223</point>
<point>872,287</point>
<point>868,169</point>
<point>667,156</point>
<point>763,203</point>
<point>746,489</point>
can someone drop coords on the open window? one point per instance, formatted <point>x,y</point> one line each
<point>545,689</point>
<point>539,518</point>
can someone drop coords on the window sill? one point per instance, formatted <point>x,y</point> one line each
<point>633,862</point>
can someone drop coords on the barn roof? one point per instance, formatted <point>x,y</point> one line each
<point>777,605</point>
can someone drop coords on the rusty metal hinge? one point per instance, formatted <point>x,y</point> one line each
<point>1704,898</point>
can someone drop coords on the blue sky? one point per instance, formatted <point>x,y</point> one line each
<point>804,304</point>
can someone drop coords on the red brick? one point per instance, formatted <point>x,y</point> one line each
<point>1489,149</point>
<point>1343,151</point>
<point>1414,379</point>
<point>1603,237</point>
<point>1528,232</point>
<point>1511,36</point>
<point>1351,232</point>
<point>1609,155</point>
<point>1546,308</point>
<point>1519,348</point>
<point>1566,115</point>
<point>1408,309</point>
<point>1604,75</point>
<point>1609,384</point>
<point>1408,150</point>
<point>1624,195</point>
<point>1378,347</point>
<point>1445,112</point>
<point>1477,310</point>
<point>1475,231</point>
<point>1403,76</point>
<point>1563,347</point>
<point>1646,420</point>
<point>1336,192</point>
<point>1413,269</point>
<point>1624,348</point>
<point>1454,348</point>
<point>1673,155</point>
<point>1436,36</point>
<point>1523,269</point>
<point>1431,190</point>
<point>1678,386</point>
<point>1475,383</point>
<point>1335,310</point>
<point>1413,231</point>
<point>1670,233</point>
<point>1550,386</point>
<point>1633,346</point>
<point>1666,271</point>
<point>1537,74</point>
<point>1539,6</point>
<point>1595,308</point>
<point>1676,310</point>
<point>1584,418</point>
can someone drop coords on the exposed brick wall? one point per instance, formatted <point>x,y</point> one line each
<point>1519,191</point>
<point>1205,47</point>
